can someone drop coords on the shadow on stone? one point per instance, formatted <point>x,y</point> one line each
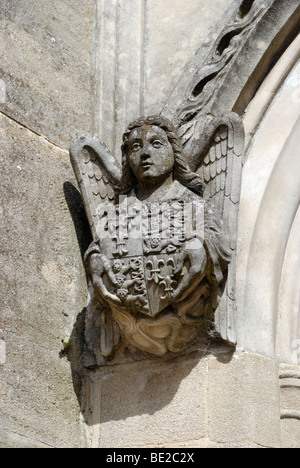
<point>76,208</point>
<point>133,383</point>
<point>155,385</point>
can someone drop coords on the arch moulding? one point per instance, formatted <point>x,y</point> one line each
<point>247,63</point>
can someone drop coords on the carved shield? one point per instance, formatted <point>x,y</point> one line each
<point>144,247</point>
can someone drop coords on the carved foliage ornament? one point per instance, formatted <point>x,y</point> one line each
<point>207,75</point>
<point>163,233</point>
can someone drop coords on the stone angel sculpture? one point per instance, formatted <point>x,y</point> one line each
<point>162,230</point>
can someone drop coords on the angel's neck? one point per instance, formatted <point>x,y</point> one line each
<point>154,192</point>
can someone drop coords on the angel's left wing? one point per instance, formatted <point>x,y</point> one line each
<point>221,169</point>
<point>217,155</point>
<point>98,175</point>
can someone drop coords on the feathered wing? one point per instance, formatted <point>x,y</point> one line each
<point>218,157</point>
<point>221,169</point>
<point>97,173</point>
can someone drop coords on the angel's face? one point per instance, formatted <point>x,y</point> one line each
<point>150,154</point>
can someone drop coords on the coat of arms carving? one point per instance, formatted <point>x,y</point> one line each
<point>162,230</point>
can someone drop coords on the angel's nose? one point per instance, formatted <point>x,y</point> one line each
<point>146,151</point>
<point>146,155</point>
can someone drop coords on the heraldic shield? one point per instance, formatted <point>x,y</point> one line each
<point>144,250</point>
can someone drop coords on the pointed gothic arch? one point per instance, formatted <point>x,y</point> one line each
<point>226,75</point>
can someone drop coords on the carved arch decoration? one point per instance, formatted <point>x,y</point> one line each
<point>224,76</point>
<point>269,217</point>
<point>268,267</point>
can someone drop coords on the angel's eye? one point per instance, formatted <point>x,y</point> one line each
<point>157,144</point>
<point>136,146</point>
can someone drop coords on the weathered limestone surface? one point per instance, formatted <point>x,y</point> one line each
<point>166,55</point>
<point>226,399</point>
<point>43,288</point>
<point>140,50</point>
<point>46,63</point>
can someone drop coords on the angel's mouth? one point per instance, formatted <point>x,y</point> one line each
<point>146,165</point>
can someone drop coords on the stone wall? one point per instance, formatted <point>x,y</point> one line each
<point>46,69</point>
<point>46,50</point>
<point>72,67</point>
<point>43,287</point>
<point>213,399</point>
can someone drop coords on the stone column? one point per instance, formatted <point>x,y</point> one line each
<point>118,68</point>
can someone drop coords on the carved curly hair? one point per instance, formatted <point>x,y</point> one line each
<point>181,171</point>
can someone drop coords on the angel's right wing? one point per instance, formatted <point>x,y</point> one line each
<point>97,173</point>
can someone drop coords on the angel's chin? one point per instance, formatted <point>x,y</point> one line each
<point>146,178</point>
